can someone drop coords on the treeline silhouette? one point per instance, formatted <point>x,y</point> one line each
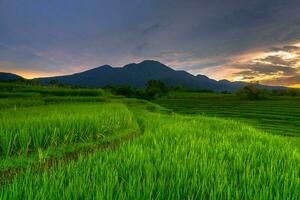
<point>153,89</point>
<point>156,89</point>
<point>252,92</point>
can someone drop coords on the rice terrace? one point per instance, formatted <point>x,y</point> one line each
<point>93,144</point>
<point>138,100</point>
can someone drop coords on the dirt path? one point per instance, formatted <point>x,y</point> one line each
<point>8,175</point>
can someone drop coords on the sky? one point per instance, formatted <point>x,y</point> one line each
<point>238,40</point>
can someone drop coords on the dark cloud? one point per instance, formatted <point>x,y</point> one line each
<point>280,66</point>
<point>60,35</point>
<point>280,61</point>
<point>288,48</point>
<point>141,48</point>
<point>155,27</point>
<point>266,69</point>
<point>276,59</point>
<point>292,80</point>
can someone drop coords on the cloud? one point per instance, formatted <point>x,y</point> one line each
<point>265,69</point>
<point>189,35</point>
<point>278,66</point>
<point>288,48</point>
<point>278,60</point>
<point>155,27</point>
<point>289,81</point>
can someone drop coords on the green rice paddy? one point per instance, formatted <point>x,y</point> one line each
<point>169,156</point>
<point>279,116</point>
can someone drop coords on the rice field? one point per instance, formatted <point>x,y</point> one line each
<point>175,158</point>
<point>22,90</point>
<point>279,116</point>
<point>172,156</point>
<point>22,95</point>
<point>27,129</point>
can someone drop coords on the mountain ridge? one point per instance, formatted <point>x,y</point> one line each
<point>6,76</point>
<point>138,74</point>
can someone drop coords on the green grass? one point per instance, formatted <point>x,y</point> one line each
<point>16,103</point>
<point>194,95</point>
<point>73,99</point>
<point>14,95</point>
<point>18,95</point>
<point>173,156</point>
<point>27,129</point>
<point>176,158</point>
<point>280,116</point>
<point>23,90</point>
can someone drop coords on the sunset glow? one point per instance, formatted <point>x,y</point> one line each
<point>276,65</point>
<point>33,74</point>
<point>238,41</point>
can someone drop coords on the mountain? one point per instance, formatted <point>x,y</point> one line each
<point>9,77</point>
<point>139,74</point>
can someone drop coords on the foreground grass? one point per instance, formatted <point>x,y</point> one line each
<point>29,129</point>
<point>176,158</point>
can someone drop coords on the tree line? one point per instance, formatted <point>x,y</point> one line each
<point>156,89</point>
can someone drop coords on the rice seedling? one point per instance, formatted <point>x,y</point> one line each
<point>27,129</point>
<point>176,158</point>
<point>279,116</point>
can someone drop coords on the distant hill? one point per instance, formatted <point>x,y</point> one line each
<point>139,74</point>
<point>9,77</point>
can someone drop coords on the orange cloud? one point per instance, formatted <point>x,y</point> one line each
<point>277,66</point>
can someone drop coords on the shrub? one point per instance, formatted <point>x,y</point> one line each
<point>251,92</point>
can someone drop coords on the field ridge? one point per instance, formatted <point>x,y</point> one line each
<point>8,175</point>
